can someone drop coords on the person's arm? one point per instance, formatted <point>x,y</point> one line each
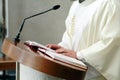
<point>103,55</point>
<point>110,35</point>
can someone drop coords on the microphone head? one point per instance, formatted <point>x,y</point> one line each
<point>56,7</point>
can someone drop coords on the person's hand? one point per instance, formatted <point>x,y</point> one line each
<point>61,50</point>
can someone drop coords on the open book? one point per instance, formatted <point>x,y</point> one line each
<point>43,50</point>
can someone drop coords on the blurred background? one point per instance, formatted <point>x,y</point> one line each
<point>46,28</point>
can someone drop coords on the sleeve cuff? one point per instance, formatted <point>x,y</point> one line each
<point>80,56</point>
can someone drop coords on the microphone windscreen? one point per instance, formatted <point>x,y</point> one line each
<point>56,7</point>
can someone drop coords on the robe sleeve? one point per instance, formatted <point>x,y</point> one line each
<point>67,38</point>
<point>104,55</point>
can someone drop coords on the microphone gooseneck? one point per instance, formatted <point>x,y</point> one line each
<point>17,38</point>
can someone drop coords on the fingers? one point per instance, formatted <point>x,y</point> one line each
<point>60,50</point>
<point>69,53</point>
<point>53,46</point>
<point>57,48</point>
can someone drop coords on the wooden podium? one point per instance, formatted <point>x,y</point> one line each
<point>42,63</point>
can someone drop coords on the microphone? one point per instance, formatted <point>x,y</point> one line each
<point>17,38</point>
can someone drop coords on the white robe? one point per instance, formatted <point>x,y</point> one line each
<point>93,31</point>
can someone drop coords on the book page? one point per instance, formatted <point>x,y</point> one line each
<point>41,49</point>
